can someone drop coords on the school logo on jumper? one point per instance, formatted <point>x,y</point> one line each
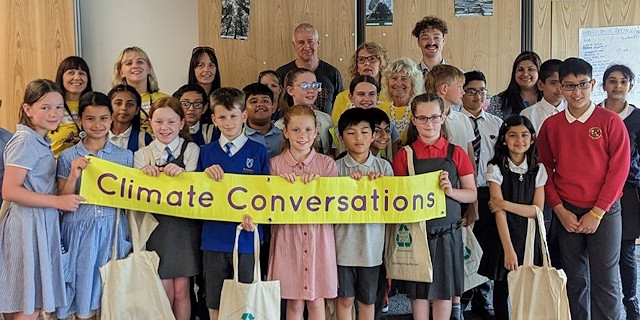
<point>248,166</point>
<point>249,163</point>
<point>403,237</point>
<point>595,133</point>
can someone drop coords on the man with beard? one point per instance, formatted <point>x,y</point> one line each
<point>431,34</point>
<point>305,42</point>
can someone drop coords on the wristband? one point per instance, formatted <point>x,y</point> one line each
<point>595,215</point>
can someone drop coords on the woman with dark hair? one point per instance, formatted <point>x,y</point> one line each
<point>74,79</point>
<point>522,90</point>
<point>203,70</point>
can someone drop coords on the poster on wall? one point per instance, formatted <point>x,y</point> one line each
<point>379,12</point>
<point>473,8</point>
<point>235,19</point>
<point>603,47</point>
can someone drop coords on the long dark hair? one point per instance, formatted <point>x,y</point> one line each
<point>511,98</point>
<point>135,121</point>
<point>195,57</point>
<point>68,63</point>
<point>501,151</point>
<point>412,131</point>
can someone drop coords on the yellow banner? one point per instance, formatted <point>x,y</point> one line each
<point>268,199</point>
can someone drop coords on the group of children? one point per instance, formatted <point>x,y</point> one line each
<point>490,170</point>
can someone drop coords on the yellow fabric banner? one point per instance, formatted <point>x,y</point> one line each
<point>268,199</point>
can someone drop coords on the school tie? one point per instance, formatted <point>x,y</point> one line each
<point>476,140</point>
<point>170,156</point>
<point>227,148</point>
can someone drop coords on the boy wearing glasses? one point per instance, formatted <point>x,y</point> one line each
<point>584,149</point>
<point>485,128</point>
<point>194,102</point>
<point>552,99</point>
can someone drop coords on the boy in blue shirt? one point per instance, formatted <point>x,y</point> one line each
<point>359,246</point>
<point>260,108</point>
<point>232,153</point>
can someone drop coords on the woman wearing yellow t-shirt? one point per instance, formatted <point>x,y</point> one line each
<point>369,59</point>
<point>134,68</point>
<point>74,79</point>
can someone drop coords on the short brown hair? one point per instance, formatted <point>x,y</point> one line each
<point>228,97</point>
<point>430,22</point>
<point>35,91</point>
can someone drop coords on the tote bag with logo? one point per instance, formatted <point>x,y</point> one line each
<point>249,301</point>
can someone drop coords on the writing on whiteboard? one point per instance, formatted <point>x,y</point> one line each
<point>602,47</point>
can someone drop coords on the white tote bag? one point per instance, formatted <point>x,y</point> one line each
<point>538,293</point>
<point>472,255</point>
<point>131,287</point>
<point>257,300</point>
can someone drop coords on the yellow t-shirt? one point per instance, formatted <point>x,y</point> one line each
<point>66,135</point>
<point>343,103</point>
<point>147,101</point>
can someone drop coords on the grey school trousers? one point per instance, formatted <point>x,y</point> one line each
<point>591,264</point>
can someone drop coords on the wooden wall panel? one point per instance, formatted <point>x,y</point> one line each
<point>270,30</point>
<point>542,28</point>
<point>567,17</point>
<point>36,35</point>
<point>488,44</point>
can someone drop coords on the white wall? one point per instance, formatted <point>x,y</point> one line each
<point>167,30</point>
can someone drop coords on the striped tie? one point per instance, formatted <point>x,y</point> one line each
<point>170,156</point>
<point>227,148</point>
<point>476,140</point>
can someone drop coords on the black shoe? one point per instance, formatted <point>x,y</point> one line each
<point>484,313</point>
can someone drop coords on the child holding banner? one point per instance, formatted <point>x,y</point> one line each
<point>433,152</point>
<point>125,129</point>
<point>175,239</point>
<point>303,257</point>
<point>359,246</point>
<point>88,231</point>
<point>232,153</point>
<point>516,184</point>
<point>31,275</point>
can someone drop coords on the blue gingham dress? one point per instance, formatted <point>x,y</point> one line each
<point>31,273</point>
<point>88,236</point>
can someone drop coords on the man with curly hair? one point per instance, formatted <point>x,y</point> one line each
<point>431,34</point>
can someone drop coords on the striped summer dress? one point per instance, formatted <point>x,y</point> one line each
<point>303,257</point>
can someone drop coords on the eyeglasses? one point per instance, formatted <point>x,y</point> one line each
<point>370,59</point>
<point>196,105</point>
<point>473,92</point>
<point>423,119</point>
<point>196,49</point>
<point>315,85</point>
<point>572,86</point>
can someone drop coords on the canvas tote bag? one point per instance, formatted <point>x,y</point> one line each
<point>249,301</point>
<point>407,255</point>
<point>131,287</point>
<point>472,255</point>
<point>538,293</point>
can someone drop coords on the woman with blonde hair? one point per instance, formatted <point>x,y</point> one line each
<point>133,67</point>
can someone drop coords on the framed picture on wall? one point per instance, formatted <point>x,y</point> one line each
<point>473,8</point>
<point>379,12</point>
<point>235,19</point>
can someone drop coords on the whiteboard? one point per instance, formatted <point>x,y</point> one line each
<point>602,47</point>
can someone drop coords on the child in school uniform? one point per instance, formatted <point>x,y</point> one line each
<point>89,231</point>
<point>431,153</point>
<point>31,271</point>
<point>303,257</point>
<point>359,246</point>
<point>125,129</point>
<point>260,109</point>
<point>195,102</point>
<point>516,185</point>
<point>232,153</point>
<point>176,240</point>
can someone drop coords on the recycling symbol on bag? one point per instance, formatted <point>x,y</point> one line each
<point>403,237</point>
<point>247,316</point>
<point>467,253</point>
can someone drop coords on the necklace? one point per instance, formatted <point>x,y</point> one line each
<point>402,124</point>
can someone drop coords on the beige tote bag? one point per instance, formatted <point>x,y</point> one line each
<point>406,254</point>
<point>472,255</point>
<point>538,293</point>
<point>248,301</point>
<point>131,287</point>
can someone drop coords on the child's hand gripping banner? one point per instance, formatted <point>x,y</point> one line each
<point>268,199</point>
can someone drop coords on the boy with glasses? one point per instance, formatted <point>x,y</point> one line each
<point>194,101</point>
<point>584,150</point>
